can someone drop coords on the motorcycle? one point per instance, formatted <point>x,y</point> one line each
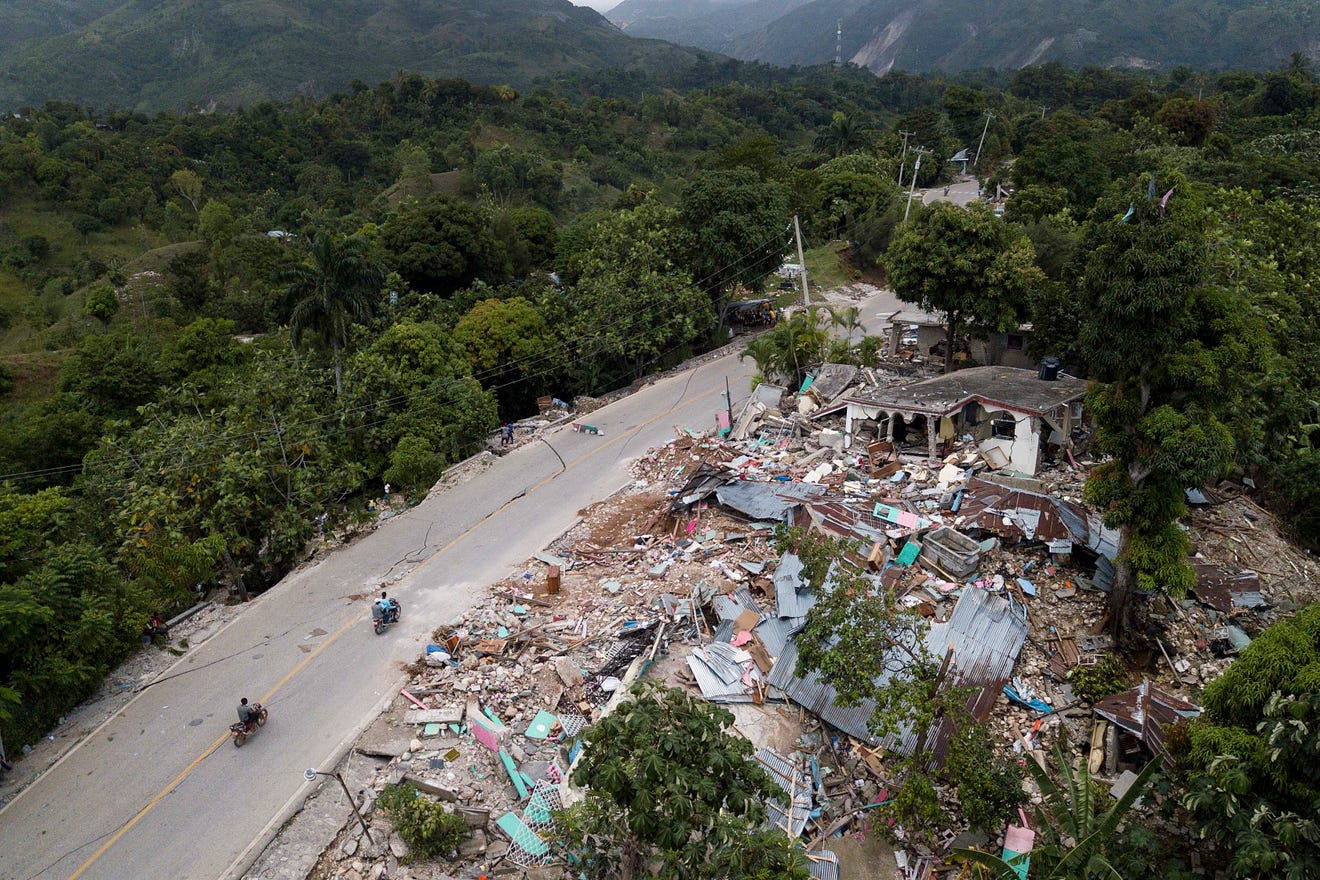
<point>380,624</point>
<point>240,731</point>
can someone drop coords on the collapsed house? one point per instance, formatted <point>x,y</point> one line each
<point>698,591</point>
<point>1012,414</point>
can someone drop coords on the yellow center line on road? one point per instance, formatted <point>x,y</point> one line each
<point>312,656</point>
<point>151,804</point>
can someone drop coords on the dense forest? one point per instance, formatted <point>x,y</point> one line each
<point>215,328</point>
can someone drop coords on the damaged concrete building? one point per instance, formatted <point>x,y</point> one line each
<point>1012,414</point>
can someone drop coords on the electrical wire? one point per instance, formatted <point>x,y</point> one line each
<point>758,252</point>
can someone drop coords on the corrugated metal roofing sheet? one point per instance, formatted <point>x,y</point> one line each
<point>824,865</point>
<point>986,636</point>
<point>793,596</point>
<point>765,501</point>
<point>1227,591</point>
<point>774,633</point>
<point>1144,711</point>
<point>1017,514</point>
<point>818,698</point>
<point>839,518</point>
<point>796,783</point>
<point>712,684</point>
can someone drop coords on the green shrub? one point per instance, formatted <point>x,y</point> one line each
<point>426,826</point>
<point>1104,679</point>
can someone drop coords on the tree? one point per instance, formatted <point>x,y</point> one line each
<point>790,348</point>
<point>1075,837</point>
<point>846,318</point>
<point>188,186</point>
<point>253,466</point>
<point>862,641</point>
<point>509,344</point>
<point>1147,335</point>
<point>1248,762</point>
<point>1189,120</point>
<point>413,381</point>
<point>843,135</point>
<point>112,374</point>
<point>671,795</point>
<point>634,302</point>
<point>1260,796</point>
<point>102,302</point>
<point>440,244</point>
<point>535,228</point>
<point>966,265</point>
<point>737,224</point>
<point>216,224</point>
<point>336,287</point>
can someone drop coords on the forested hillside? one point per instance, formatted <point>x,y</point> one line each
<point>172,54</point>
<point>217,328</point>
<point>959,35</point>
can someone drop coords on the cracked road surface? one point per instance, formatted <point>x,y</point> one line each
<point>158,791</point>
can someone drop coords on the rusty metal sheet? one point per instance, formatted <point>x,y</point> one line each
<point>1225,591</point>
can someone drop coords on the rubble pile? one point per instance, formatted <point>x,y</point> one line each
<point>678,577</point>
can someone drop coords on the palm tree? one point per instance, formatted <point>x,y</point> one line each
<point>330,292</point>
<point>1076,832</point>
<point>843,135</point>
<point>765,354</point>
<point>849,318</point>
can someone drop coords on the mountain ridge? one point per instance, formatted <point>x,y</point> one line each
<point>957,34</point>
<point>167,54</point>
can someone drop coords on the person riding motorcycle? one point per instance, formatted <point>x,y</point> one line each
<point>247,714</point>
<point>385,609</point>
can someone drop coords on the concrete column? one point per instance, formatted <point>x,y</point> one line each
<point>932,434</point>
<point>890,428</point>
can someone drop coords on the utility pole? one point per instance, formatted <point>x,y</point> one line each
<point>988,117</point>
<point>802,261</point>
<point>913,188</point>
<point>906,135</point>
<point>1043,108</point>
<point>310,773</point>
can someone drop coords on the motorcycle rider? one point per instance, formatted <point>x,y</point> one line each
<point>385,609</point>
<point>247,714</point>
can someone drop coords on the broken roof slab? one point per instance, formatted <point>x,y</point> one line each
<point>1003,387</point>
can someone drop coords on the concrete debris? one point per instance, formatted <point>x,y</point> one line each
<point>678,577</point>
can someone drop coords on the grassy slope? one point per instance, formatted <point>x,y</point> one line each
<point>44,319</point>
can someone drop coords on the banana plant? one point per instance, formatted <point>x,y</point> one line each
<point>1076,831</point>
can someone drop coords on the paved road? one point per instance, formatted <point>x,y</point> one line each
<point>158,791</point>
<point>960,193</point>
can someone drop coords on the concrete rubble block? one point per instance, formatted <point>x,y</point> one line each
<point>476,817</point>
<point>447,715</point>
<point>474,845</point>
<point>398,847</point>
<point>568,672</point>
<point>425,785</point>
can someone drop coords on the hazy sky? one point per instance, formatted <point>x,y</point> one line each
<point>598,5</point>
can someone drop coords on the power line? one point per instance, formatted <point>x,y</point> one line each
<point>759,252</point>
